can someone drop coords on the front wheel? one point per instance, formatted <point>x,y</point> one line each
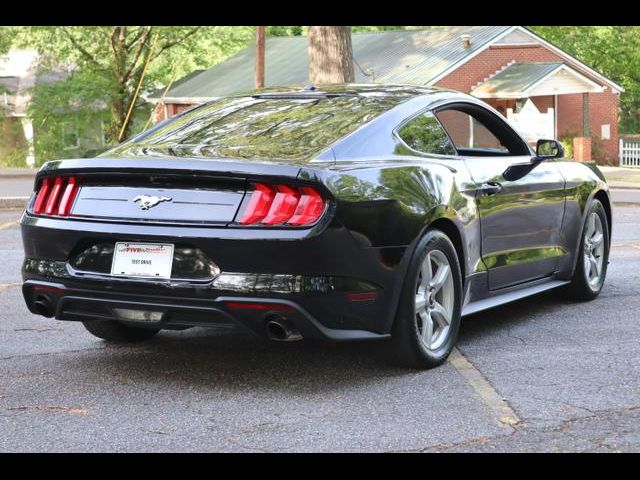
<point>428,319</point>
<point>593,255</point>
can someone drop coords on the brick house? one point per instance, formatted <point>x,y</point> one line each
<point>542,90</point>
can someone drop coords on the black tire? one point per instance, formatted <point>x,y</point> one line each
<point>114,331</point>
<point>580,288</point>
<point>407,349</point>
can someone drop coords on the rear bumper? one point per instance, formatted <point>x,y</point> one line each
<point>328,284</point>
<point>250,313</point>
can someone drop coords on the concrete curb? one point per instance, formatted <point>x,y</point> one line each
<point>7,203</point>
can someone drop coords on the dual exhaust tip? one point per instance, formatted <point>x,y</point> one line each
<point>280,329</point>
<point>43,307</point>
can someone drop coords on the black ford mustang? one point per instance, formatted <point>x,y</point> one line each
<point>345,213</point>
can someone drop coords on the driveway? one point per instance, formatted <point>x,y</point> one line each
<point>544,374</point>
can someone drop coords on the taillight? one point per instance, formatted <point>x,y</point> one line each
<point>41,198</point>
<point>283,205</point>
<point>56,196</point>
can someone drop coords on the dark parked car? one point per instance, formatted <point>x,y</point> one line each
<point>357,212</point>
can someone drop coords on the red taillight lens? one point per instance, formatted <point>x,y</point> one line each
<point>259,204</point>
<point>68,197</point>
<point>282,204</point>
<point>56,196</point>
<point>309,209</point>
<point>41,198</point>
<point>52,201</point>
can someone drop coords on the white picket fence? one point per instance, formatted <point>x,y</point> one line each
<point>629,153</point>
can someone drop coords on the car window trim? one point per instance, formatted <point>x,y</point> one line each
<point>448,105</point>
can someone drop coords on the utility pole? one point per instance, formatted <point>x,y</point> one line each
<point>259,83</point>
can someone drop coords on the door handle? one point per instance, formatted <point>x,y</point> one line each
<point>490,188</point>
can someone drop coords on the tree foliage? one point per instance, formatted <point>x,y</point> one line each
<point>114,58</point>
<point>613,51</point>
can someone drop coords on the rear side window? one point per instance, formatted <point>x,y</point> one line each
<point>425,135</point>
<point>467,133</point>
<point>259,127</point>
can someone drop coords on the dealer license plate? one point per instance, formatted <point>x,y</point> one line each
<point>148,260</point>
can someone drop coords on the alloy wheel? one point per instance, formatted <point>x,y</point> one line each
<point>593,254</point>
<point>434,300</point>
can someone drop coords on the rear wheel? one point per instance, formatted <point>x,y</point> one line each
<point>114,331</point>
<point>428,318</point>
<point>593,255</point>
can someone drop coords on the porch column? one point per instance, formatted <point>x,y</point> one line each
<point>585,115</point>
<point>582,145</point>
<point>27,129</point>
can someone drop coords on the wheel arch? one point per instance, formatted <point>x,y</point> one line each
<point>437,220</point>
<point>451,230</point>
<point>604,199</point>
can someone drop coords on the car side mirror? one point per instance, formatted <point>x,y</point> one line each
<point>548,149</point>
<point>545,150</point>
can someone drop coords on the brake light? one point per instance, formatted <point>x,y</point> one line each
<point>52,201</point>
<point>283,205</point>
<point>55,196</point>
<point>41,198</point>
<point>309,208</point>
<point>259,204</point>
<point>68,197</point>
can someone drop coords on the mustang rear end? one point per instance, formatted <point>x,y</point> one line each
<point>208,243</point>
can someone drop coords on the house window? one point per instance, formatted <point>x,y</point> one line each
<point>70,137</point>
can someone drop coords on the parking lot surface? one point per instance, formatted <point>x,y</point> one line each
<point>543,374</point>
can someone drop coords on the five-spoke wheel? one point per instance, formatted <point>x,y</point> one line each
<point>434,299</point>
<point>428,318</point>
<point>593,256</point>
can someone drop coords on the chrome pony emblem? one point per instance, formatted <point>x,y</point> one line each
<point>147,202</point>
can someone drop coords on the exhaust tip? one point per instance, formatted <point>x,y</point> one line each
<point>42,306</point>
<point>281,330</point>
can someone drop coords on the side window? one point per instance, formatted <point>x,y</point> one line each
<point>425,134</point>
<point>470,136</point>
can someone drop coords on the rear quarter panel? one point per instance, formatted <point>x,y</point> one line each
<point>387,204</point>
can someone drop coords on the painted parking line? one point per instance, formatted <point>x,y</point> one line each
<point>503,414</point>
<point>7,286</point>
<point>627,244</point>
<point>4,226</point>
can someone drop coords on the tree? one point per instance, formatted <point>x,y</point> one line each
<point>115,57</point>
<point>330,55</point>
<point>6,37</point>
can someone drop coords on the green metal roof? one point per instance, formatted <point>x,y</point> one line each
<point>400,57</point>
<point>517,77</point>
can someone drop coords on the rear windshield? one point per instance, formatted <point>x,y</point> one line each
<point>261,128</point>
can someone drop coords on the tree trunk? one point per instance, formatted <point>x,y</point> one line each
<point>259,83</point>
<point>330,55</point>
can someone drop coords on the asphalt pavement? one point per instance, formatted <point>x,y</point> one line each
<point>544,374</point>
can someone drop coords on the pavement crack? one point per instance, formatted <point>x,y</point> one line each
<point>50,408</point>
<point>510,334</point>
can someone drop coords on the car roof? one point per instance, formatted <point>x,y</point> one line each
<point>361,89</point>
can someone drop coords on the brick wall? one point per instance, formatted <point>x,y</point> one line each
<point>603,107</point>
<point>161,113</point>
